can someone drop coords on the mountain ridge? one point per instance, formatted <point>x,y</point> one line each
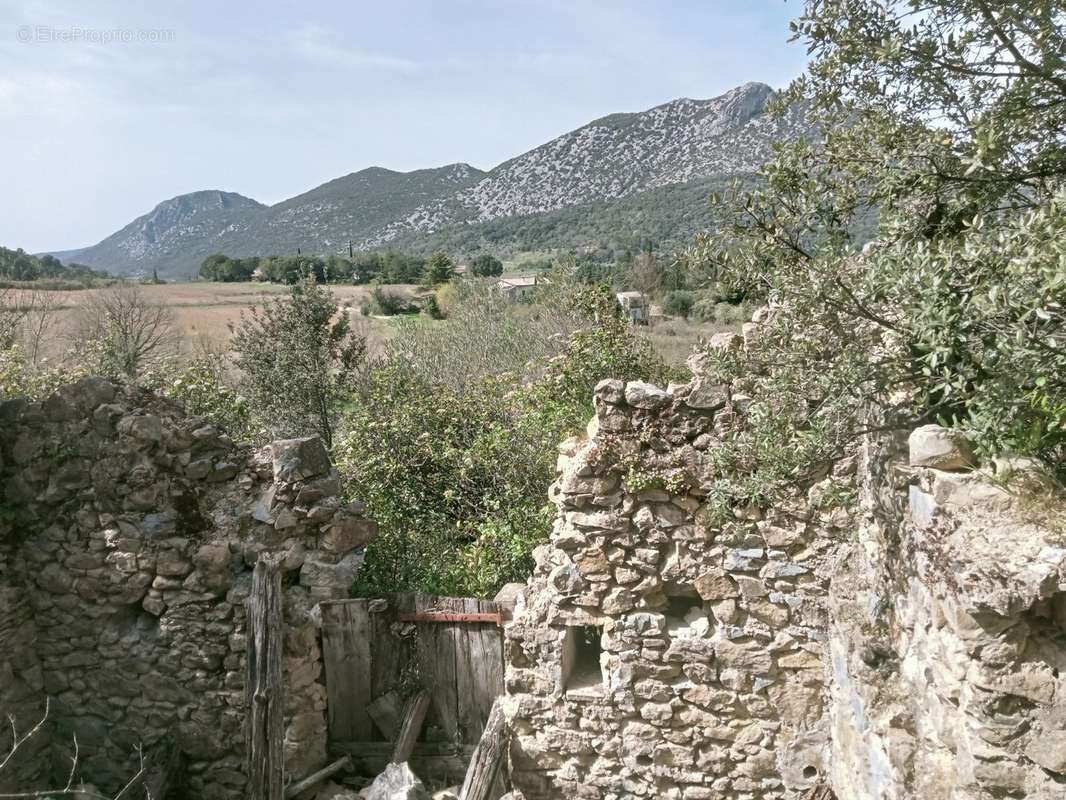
<point>613,157</point>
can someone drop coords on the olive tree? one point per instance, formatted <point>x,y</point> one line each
<point>299,360</point>
<point>945,122</point>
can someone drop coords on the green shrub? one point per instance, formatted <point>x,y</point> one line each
<point>432,307</point>
<point>456,474</point>
<point>202,386</point>
<point>387,303</point>
<point>300,360</point>
<point>679,303</point>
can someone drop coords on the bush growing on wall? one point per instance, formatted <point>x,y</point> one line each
<point>300,360</point>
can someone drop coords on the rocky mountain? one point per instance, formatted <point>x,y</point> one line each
<point>352,208</point>
<point>588,184</point>
<point>171,236</point>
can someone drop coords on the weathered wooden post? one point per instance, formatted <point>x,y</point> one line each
<point>487,759</point>
<point>265,687</point>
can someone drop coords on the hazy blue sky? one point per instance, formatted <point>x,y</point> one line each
<point>272,98</point>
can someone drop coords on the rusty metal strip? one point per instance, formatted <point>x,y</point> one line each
<point>444,616</point>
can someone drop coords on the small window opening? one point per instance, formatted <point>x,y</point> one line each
<point>810,772</point>
<point>582,648</point>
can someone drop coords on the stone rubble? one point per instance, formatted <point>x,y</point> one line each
<point>397,782</point>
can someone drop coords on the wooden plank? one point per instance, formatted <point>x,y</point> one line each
<point>478,669</point>
<point>386,711</point>
<point>264,682</point>
<point>467,641</point>
<point>487,664</point>
<point>315,778</point>
<point>347,654</point>
<point>487,759</point>
<point>436,656</point>
<point>414,715</point>
<point>387,662</point>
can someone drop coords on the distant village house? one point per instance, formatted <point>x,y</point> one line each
<point>635,306</point>
<point>519,288</point>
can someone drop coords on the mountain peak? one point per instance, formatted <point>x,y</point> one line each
<point>205,199</point>
<point>618,156</point>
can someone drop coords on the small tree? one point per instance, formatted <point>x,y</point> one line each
<point>439,269</point>
<point>299,359</point>
<point>487,265</point>
<point>129,328</point>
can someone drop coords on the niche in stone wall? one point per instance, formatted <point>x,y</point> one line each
<point>686,617</point>
<point>582,672</point>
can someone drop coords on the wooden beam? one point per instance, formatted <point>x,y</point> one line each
<point>413,716</point>
<point>487,758</point>
<point>265,686</point>
<point>317,777</point>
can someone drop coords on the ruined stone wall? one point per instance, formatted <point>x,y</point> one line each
<point>910,646</point>
<point>659,652</point>
<point>128,532</point>
<point>948,632</point>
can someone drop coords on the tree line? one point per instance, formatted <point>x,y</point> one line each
<point>388,266</point>
<point>20,266</point>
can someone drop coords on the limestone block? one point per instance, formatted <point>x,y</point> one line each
<point>146,428</point>
<point>645,395</point>
<point>707,396</point>
<point>299,459</point>
<point>940,448</point>
<point>716,584</point>
<point>397,782</point>
<point>347,533</point>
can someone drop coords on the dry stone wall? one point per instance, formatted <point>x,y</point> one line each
<point>660,652</point>
<point>128,532</point>
<point>909,645</point>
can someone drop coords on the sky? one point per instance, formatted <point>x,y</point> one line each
<point>107,108</point>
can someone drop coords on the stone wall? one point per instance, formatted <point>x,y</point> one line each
<point>658,652</point>
<point>128,532</point>
<point>948,632</point>
<point>912,645</point>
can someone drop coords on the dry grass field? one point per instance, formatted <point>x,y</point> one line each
<point>203,311</point>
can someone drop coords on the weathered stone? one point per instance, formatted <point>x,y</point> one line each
<point>299,459</point>
<point>347,533</point>
<point>716,584</point>
<point>145,428</point>
<point>122,592</point>
<point>397,782</point>
<point>645,395</point>
<point>940,448</point>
